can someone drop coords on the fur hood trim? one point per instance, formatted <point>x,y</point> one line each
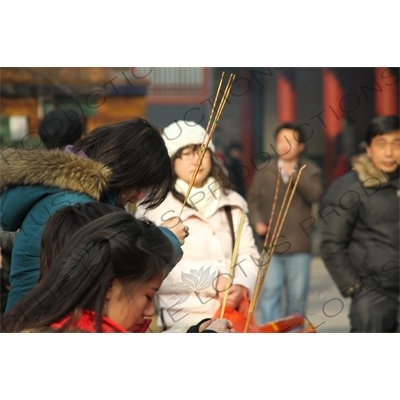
<point>53,168</point>
<point>368,174</point>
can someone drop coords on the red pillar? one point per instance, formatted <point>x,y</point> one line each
<point>286,98</point>
<point>247,128</point>
<point>332,93</point>
<point>387,92</point>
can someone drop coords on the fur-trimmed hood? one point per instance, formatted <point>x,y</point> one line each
<point>368,174</point>
<point>53,168</point>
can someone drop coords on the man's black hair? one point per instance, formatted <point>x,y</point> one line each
<point>381,125</point>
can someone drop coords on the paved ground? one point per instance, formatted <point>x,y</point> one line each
<point>327,309</point>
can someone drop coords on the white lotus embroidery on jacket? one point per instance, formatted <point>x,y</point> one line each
<point>193,282</point>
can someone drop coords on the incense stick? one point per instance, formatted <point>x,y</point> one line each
<point>264,248</point>
<point>266,251</point>
<point>290,199</point>
<point>278,220</point>
<point>233,261</point>
<point>207,138</point>
<point>223,101</point>
<point>271,251</point>
<point>215,100</point>
<point>273,209</point>
<point>276,235</point>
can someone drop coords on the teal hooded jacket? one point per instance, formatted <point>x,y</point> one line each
<point>35,184</point>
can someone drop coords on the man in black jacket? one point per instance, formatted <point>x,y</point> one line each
<point>360,230</point>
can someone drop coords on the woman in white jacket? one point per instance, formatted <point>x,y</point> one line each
<point>196,286</point>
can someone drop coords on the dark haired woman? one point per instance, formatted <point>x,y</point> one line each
<point>196,286</point>
<point>63,224</point>
<point>103,280</point>
<point>114,164</point>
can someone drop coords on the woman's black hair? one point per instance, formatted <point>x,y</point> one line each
<point>60,127</point>
<point>116,246</point>
<point>63,224</point>
<point>136,153</point>
<point>216,172</point>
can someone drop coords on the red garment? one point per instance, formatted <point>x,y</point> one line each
<point>142,328</point>
<point>87,322</point>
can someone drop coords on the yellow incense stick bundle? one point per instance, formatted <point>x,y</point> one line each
<point>268,252</point>
<point>212,123</point>
<point>233,262</point>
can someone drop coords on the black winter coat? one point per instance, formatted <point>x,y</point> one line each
<point>360,231</point>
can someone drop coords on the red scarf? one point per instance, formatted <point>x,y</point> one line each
<point>87,322</point>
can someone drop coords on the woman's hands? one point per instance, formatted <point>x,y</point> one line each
<point>175,225</point>
<point>217,325</point>
<point>235,293</point>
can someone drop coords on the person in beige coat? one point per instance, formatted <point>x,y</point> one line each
<point>196,286</point>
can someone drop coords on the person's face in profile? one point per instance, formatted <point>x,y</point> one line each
<point>129,308</point>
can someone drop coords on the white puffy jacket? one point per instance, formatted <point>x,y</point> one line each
<point>188,294</point>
